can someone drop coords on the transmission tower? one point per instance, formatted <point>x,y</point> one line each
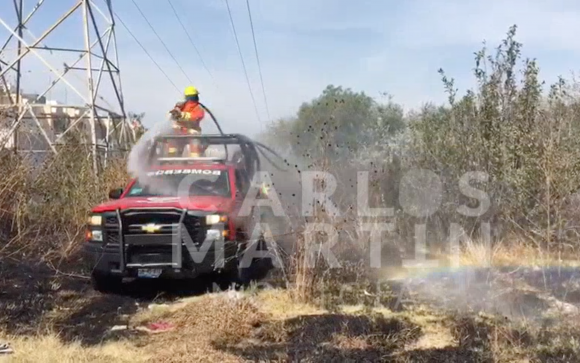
<point>78,51</point>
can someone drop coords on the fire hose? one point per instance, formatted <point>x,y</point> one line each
<point>250,149</point>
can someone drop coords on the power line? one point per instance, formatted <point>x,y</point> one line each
<point>145,50</point>
<point>191,41</point>
<point>161,40</point>
<point>243,63</point>
<point>258,58</point>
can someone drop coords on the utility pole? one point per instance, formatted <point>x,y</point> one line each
<point>90,83</point>
<point>18,72</point>
<point>97,60</point>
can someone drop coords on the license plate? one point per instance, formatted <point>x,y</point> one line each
<point>149,273</point>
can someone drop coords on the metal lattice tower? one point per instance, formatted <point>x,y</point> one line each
<point>89,71</point>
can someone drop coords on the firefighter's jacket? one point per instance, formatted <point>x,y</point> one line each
<point>191,114</point>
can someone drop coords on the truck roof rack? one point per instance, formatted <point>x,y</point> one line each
<point>248,154</point>
<point>211,139</point>
<point>192,158</point>
<point>208,140</point>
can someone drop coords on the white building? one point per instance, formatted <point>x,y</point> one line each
<point>54,117</point>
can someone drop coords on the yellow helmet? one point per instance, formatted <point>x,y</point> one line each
<point>190,91</point>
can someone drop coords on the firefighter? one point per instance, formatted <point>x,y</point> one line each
<point>187,116</point>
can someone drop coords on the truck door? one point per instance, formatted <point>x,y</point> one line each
<point>242,186</point>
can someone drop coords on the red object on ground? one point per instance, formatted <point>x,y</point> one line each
<point>159,327</point>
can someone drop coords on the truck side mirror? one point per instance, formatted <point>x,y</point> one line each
<point>116,193</point>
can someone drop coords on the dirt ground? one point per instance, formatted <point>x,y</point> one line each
<point>475,315</point>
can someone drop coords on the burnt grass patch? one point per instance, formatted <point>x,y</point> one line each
<point>327,337</point>
<point>35,298</point>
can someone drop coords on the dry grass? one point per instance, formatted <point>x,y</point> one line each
<point>51,349</point>
<point>270,326</point>
<point>514,252</point>
<point>44,205</point>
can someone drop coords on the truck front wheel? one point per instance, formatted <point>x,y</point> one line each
<point>106,283</point>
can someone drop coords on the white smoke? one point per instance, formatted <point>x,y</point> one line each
<point>138,164</point>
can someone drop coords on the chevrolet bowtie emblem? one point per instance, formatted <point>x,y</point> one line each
<point>151,228</point>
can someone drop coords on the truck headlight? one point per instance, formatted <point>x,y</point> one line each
<point>215,219</point>
<point>96,220</point>
<point>213,234</point>
<point>216,234</point>
<point>97,235</point>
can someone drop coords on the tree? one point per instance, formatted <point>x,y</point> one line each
<point>526,140</point>
<point>136,120</point>
<point>136,116</point>
<point>338,123</point>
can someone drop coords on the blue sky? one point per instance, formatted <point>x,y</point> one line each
<point>372,46</point>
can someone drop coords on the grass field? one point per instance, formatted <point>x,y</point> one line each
<point>474,314</point>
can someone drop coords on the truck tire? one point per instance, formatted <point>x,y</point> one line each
<point>227,278</point>
<point>258,269</point>
<point>106,283</point>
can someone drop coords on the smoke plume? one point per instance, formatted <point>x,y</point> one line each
<point>138,164</point>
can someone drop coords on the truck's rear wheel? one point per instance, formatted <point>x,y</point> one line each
<point>226,279</point>
<point>106,283</point>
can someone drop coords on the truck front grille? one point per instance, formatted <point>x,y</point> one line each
<point>112,237</point>
<point>162,223</point>
<point>167,220</point>
<point>111,229</point>
<point>148,236</point>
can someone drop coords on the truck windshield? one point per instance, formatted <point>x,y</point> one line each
<point>170,183</point>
